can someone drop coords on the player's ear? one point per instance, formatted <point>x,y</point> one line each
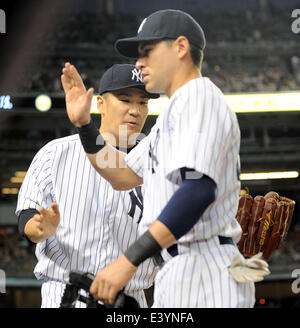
<point>182,46</point>
<point>100,104</point>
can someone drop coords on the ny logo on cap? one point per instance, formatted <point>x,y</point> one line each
<point>136,74</point>
<point>142,24</point>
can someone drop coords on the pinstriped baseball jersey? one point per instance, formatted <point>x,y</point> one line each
<point>97,223</point>
<point>197,130</point>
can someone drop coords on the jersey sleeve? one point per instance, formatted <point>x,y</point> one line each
<point>37,187</point>
<point>136,160</point>
<point>203,134</point>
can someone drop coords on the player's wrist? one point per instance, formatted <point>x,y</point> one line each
<point>28,228</point>
<point>124,260</point>
<point>82,123</point>
<point>32,232</point>
<point>145,247</point>
<point>91,139</point>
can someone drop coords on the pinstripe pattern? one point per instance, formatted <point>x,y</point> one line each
<point>52,292</point>
<point>94,228</point>
<point>198,277</point>
<point>197,130</point>
<point>209,143</point>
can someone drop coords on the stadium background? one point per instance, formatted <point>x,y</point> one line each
<point>251,50</point>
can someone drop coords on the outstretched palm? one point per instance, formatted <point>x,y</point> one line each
<point>78,100</point>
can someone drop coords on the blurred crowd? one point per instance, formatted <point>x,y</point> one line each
<point>266,78</point>
<point>17,257</point>
<point>288,255</point>
<point>96,33</point>
<point>269,74</point>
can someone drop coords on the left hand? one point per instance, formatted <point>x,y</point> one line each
<point>78,100</point>
<point>109,281</point>
<point>43,225</point>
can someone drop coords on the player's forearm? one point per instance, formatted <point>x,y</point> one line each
<point>150,243</point>
<point>106,159</point>
<point>110,164</point>
<point>162,234</point>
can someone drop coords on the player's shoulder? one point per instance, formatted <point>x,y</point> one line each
<point>57,144</point>
<point>206,86</point>
<point>213,95</point>
<point>62,141</point>
<point>190,91</point>
<point>74,138</point>
<point>198,92</point>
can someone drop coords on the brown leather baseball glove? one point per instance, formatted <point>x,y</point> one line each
<point>265,221</point>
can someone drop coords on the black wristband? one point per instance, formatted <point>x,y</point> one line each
<point>91,139</point>
<point>146,246</point>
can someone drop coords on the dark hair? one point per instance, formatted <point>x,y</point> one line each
<point>197,55</point>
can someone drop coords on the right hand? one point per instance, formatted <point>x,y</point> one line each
<point>78,100</point>
<point>42,226</point>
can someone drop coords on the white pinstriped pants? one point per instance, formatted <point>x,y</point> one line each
<point>199,278</point>
<point>52,292</point>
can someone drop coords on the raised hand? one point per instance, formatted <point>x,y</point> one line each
<point>78,100</point>
<point>42,226</point>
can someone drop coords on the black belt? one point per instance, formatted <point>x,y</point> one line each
<point>226,240</point>
<point>173,250</point>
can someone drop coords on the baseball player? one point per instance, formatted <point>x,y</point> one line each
<point>95,224</point>
<point>189,167</point>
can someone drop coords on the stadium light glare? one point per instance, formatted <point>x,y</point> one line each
<point>20,174</point>
<point>240,103</point>
<point>264,102</point>
<point>269,175</point>
<point>10,191</point>
<point>16,180</point>
<point>43,103</point>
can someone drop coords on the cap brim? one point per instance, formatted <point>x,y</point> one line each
<point>139,86</point>
<point>129,47</point>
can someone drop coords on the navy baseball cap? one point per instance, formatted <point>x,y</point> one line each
<point>163,24</point>
<point>122,76</point>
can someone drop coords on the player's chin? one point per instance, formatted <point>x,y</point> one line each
<point>152,88</point>
<point>146,81</point>
<point>133,128</point>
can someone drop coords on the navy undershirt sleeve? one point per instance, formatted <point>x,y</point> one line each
<point>188,203</point>
<point>23,218</point>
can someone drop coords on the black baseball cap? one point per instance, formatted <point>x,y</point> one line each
<point>122,76</point>
<point>169,24</point>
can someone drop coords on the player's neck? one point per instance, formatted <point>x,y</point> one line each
<point>116,140</point>
<point>182,77</point>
